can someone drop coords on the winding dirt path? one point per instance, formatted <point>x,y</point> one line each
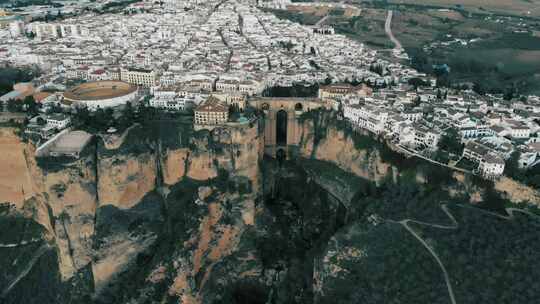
<point>453,225</point>
<point>23,243</point>
<point>41,250</point>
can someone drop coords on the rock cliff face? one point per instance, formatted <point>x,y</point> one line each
<point>235,150</point>
<point>202,265</point>
<point>79,201</point>
<point>322,140</point>
<point>60,197</point>
<point>15,173</point>
<point>125,179</point>
<point>71,195</point>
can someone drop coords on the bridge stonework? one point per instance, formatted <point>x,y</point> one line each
<point>293,107</point>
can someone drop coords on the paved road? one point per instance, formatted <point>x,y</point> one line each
<point>388,30</point>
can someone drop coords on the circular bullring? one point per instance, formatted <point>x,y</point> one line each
<point>101,94</point>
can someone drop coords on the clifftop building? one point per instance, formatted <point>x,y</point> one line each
<point>211,112</point>
<point>341,90</point>
<point>490,164</point>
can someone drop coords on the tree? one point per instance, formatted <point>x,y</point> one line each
<point>327,80</point>
<point>127,117</point>
<point>234,112</point>
<point>30,105</point>
<point>41,121</point>
<point>511,168</point>
<point>14,105</point>
<point>100,120</point>
<point>81,116</point>
<point>451,142</point>
<point>417,82</point>
<point>492,201</point>
<point>478,88</point>
<point>443,81</point>
<point>509,93</point>
<point>419,60</point>
<point>377,68</point>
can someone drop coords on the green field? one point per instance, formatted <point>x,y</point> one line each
<point>528,8</point>
<point>502,58</point>
<point>495,64</point>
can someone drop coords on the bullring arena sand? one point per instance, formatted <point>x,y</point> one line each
<point>99,90</point>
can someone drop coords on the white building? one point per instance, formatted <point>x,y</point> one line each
<point>174,103</point>
<point>141,77</point>
<point>477,131</point>
<point>58,121</point>
<point>16,29</point>
<point>225,85</point>
<point>425,137</point>
<point>412,115</point>
<point>490,164</point>
<point>366,116</point>
<point>520,131</point>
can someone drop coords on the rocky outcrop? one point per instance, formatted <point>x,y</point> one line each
<point>323,139</point>
<point>16,180</point>
<point>517,192</point>
<point>233,149</point>
<point>216,239</point>
<point>196,218</point>
<point>174,165</point>
<point>61,197</point>
<point>71,195</point>
<point>125,179</point>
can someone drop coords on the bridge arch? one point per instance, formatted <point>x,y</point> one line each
<point>282,118</point>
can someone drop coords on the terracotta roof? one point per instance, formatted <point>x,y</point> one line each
<point>212,104</point>
<point>41,95</point>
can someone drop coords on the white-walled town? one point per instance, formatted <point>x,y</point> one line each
<point>207,56</point>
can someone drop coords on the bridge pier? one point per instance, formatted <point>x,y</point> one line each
<point>282,130</point>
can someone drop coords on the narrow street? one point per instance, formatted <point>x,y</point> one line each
<point>231,51</point>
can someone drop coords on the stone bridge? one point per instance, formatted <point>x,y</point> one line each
<point>282,131</point>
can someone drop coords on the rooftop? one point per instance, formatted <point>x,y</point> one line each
<point>72,142</point>
<point>212,104</point>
